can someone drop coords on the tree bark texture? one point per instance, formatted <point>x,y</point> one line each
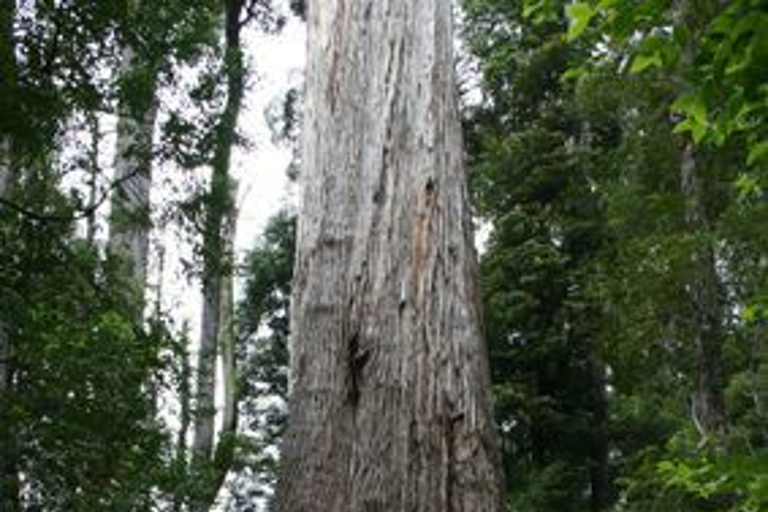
<point>130,224</point>
<point>390,404</point>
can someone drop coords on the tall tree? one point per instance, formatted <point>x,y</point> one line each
<point>9,481</point>
<point>130,215</point>
<point>389,392</point>
<point>535,174</point>
<point>218,236</point>
<point>213,458</point>
<point>7,83</point>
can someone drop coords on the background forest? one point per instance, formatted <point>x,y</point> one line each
<point>617,154</point>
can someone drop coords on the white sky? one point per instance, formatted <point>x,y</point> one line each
<point>278,62</point>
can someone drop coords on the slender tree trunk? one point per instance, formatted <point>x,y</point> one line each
<point>185,398</point>
<point>390,401</point>
<point>130,217</point>
<point>703,286</point>
<point>93,161</point>
<point>599,476</point>
<point>5,166</point>
<point>704,295</point>
<point>8,73</point>
<point>227,333</point>
<point>218,239</point>
<point>9,470</point>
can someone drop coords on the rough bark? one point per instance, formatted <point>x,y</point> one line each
<point>390,401</point>
<point>218,238</point>
<point>129,225</point>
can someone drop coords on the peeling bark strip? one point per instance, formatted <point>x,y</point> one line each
<point>390,401</point>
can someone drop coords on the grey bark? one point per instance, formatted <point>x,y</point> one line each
<point>129,225</point>
<point>227,333</point>
<point>389,399</point>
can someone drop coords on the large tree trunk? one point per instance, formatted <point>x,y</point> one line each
<point>129,225</point>
<point>390,402</point>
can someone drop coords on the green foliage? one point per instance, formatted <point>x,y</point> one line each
<point>263,350</point>
<point>80,428</point>
<point>723,47</point>
<point>592,273</point>
<point>533,177</point>
<point>79,418</point>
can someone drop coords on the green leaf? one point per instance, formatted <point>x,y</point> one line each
<point>573,73</point>
<point>748,186</point>
<point>692,105</point>
<point>642,62</point>
<point>750,314</point>
<point>579,14</point>
<point>531,7</point>
<point>691,124</point>
<point>757,152</point>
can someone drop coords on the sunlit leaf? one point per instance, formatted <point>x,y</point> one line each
<point>758,153</point>
<point>579,14</point>
<point>642,62</point>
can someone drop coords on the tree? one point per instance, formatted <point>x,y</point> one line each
<point>389,397</point>
<point>130,214</point>
<point>211,459</point>
<point>262,353</point>
<point>536,170</point>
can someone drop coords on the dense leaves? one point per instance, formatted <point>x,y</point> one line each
<point>621,284</point>
<point>87,381</point>
<point>78,420</point>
